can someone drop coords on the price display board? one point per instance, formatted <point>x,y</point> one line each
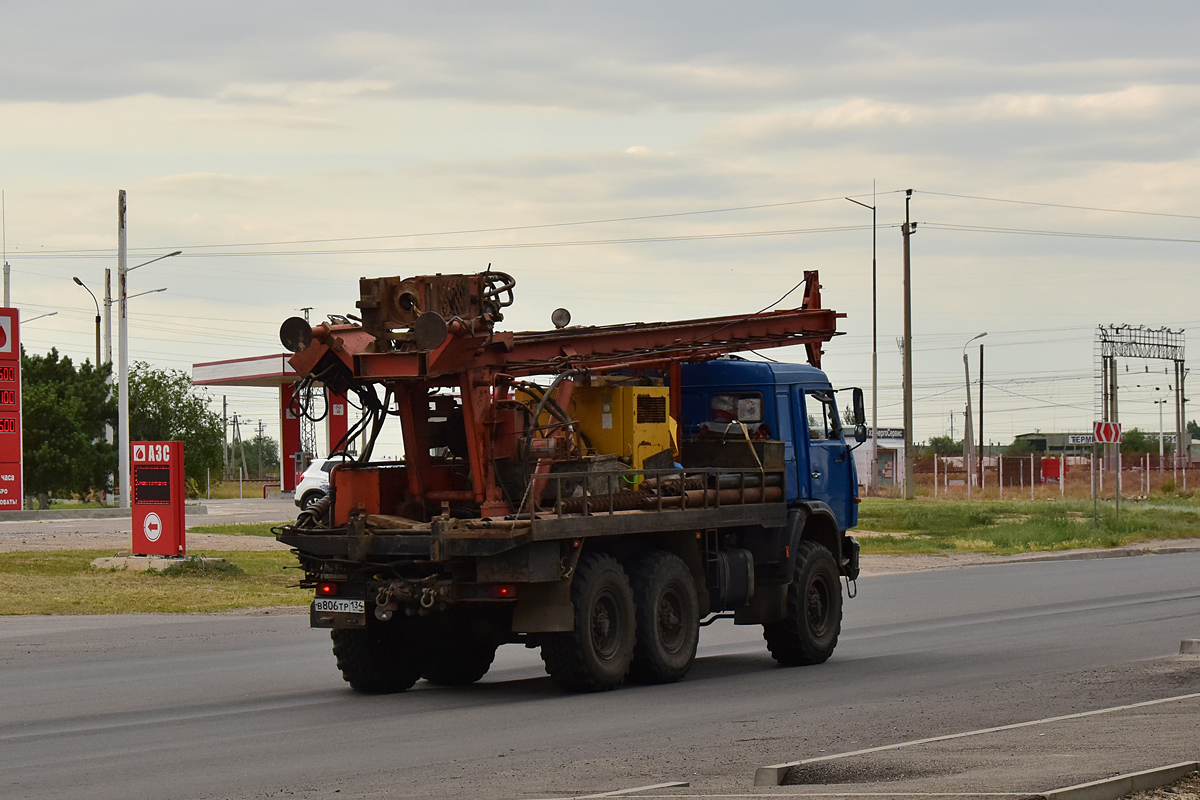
<point>11,473</point>
<point>159,525</point>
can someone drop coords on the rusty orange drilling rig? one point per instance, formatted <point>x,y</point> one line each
<point>648,481</point>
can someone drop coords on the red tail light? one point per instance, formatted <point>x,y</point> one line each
<point>327,589</point>
<point>504,591</point>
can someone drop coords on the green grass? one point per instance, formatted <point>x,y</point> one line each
<point>64,582</point>
<point>76,504</point>
<point>936,526</point>
<point>238,528</point>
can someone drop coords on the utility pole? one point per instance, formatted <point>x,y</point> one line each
<point>969,429</point>
<point>225,428</point>
<point>982,452</point>
<point>907,232</point>
<point>260,444</point>
<point>123,347</point>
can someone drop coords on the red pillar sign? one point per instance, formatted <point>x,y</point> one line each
<point>11,473</point>
<point>158,494</point>
<point>338,419</point>
<point>289,439</point>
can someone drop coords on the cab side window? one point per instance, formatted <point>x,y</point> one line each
<point>823,423</point>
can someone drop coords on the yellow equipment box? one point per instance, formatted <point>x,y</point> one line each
<point>631,422</point>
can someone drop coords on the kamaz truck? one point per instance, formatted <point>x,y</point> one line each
<point>600,493</point>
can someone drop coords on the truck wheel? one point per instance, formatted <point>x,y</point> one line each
<point>381,659</point>
<point>668,618</point>
<point>595,657</point>
<point>814,610</point>
<point>459,655</point>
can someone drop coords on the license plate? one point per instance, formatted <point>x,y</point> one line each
<point>339,605</point>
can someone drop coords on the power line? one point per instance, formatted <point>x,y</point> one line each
<point>491,246</point>
<point>504,229</point>
<point>947,226</point>
<point>1060,205</point>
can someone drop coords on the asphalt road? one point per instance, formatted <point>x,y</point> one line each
<point>251,706</point>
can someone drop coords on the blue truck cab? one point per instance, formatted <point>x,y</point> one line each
<point>792,403</point>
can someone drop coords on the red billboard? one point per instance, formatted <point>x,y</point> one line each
<point>11,474</point>
<point>157,499</point>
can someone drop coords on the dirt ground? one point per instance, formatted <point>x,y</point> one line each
<point>70,536</point>
<point>892,564</point>
<point>1187,788</point>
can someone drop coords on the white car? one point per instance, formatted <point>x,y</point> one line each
<point>314,482</point>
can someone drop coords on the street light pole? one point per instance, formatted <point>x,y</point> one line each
<point>97,302</point>
<point>39,316</point>
<point>908,230</point>
<point>123,271</point>
<point>1161,453</point>
<point>108,302</point>
<point>872,487</point>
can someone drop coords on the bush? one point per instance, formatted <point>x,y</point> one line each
<point>194,565</point>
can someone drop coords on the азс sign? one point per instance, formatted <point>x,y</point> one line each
<point>11,474</point>
<point>157,498</point>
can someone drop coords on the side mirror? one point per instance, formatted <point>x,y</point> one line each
<point>860,416</point>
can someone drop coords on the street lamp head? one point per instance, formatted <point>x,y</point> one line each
<point>78,282</point>
<point>176,253</point>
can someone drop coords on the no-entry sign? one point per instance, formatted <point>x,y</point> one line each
<point>158,484</point>
<point>1107,432</point>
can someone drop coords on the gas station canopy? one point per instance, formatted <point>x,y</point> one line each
<point>273,370</point>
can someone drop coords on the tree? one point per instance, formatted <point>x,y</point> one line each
<point>270,455</point>
<point>1136,442</point>
<point>945,446</point>
<point>165,406</point>
<point>1193,429</point>
<point>1019,447</point>
<point>64,411</point>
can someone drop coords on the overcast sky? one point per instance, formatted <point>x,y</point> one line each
<point>231,124</point>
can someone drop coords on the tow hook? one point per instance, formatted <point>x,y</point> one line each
<point>385,604</point>
<point>416,599</point>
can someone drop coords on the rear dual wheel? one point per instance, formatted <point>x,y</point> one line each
<point>384,657</point>
<point>596,656</point>
<point>642,623</point>
<point>460,652</point>
<point>668,619</point>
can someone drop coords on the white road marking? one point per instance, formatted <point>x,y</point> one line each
<point>841,794</point>
<point>775,772</point>
<point>623,792</point>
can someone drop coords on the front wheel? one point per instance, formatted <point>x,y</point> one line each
<point>810,631</point>
<point>596,656</point>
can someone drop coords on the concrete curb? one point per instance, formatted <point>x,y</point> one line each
<point>84,513</point>
<point>1115,552</point>
<point>1112,788</point>
<point>143,563</point>
<point>1189,647</point>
